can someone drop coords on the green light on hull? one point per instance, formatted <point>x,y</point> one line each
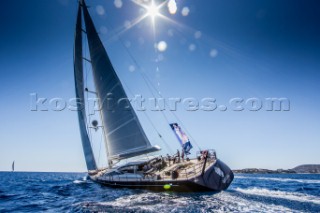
<point>167,186</point>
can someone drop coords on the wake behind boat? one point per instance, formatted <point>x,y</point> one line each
<point>124,136</point>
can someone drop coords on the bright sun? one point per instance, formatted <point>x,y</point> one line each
<point>152,10</point>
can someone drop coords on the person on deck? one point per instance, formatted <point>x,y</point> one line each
<point>178,156</point>
<point>169,159</point>
<point>182,155</point>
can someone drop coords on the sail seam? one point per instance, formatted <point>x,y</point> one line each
<point>122,125</point>
<point>109,92</point>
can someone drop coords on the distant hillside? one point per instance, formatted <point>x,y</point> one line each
<point>263,171</point>
<point>307,168</point>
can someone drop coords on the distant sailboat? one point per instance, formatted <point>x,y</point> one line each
<point>124,136</point>
<point>12,167</point>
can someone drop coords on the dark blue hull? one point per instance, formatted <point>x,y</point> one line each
<point>216,178</point>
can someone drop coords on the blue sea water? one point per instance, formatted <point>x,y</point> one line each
<point>72,192</point>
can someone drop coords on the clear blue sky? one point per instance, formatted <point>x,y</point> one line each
<point>266,48</point>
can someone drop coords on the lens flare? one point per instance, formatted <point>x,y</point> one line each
<point>162,46</point>
<point>172,6</point>
<point>185,11</point>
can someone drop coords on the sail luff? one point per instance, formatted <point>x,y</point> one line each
<point>124,134</point>
<point>79,87</point>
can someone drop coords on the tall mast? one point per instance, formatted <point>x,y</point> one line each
<point>79,87</point>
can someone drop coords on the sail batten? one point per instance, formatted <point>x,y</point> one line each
<point>79,87</point>
<point>124,134</point>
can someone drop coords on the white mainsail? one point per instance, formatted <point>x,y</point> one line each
<point>124,135</point>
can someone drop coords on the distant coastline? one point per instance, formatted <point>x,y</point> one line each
<point>302,169</point>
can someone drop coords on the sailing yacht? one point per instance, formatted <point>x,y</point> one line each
<point>124,136</point>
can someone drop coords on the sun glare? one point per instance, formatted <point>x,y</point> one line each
<point>152,10</point>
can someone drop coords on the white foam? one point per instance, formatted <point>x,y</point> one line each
<point>293,196</point>
<point>281,179</point>
<point>78,181</point>
<point>84,179</point>
<point>221,202</point>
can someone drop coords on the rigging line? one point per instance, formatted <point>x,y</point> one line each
<point>154,96</point>
<point>87,95</point>
<point>163,114</point>
<point>88,116</point>
<point>100,148</point>
<point>88,104</point>
<point>141,73</point>
<point>157,61</point>
<point>148,83</point>
<point>163,140</point>
<point>151,86</point>
<point>152,124</point>
<point>139,67</point>
<point>174,114</point>
<point>157,91</point>
<point>181,123</point>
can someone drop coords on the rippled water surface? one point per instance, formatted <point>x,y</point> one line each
<point>72,192</point>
